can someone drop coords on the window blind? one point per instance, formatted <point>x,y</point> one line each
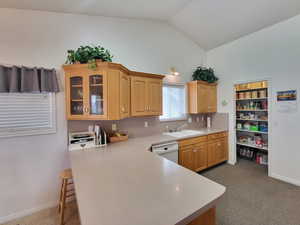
<point>174,104</point>
<point>26,114</point>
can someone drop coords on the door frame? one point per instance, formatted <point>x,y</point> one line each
<point>233,159</point>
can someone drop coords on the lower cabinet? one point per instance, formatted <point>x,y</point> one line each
<point>200,153</point>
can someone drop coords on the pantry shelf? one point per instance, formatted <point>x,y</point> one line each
<point>253,146</point>
<point>254,120</point>
<point>252,131</point>
<point>249,99</point>
<point>252,110</point>
<point>252,125</point>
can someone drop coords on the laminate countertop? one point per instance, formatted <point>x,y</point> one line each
<point>125,184</point>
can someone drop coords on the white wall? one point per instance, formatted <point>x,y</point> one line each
<point>29,166</point>
<point>270,53</point>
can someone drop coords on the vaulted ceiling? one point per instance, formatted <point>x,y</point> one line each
<point>210,23</point>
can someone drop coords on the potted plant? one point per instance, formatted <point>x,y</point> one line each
<point>90,55</point>
<point>205,74</point>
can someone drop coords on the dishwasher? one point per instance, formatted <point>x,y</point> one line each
<point>167,150</point>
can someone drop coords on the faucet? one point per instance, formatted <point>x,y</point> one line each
<point>176,129</point>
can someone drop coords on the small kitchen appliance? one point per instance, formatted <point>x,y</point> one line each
<point>81,140</point>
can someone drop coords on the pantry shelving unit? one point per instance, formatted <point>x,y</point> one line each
<point>252,121</point>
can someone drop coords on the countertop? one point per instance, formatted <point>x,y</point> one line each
<point>124,184</point>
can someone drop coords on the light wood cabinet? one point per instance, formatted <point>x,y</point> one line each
<point>146,96</point>
<point>186,156</point>
<point>110,92</point>
<point>100,94</point>
<point>217,151</point>
<point>202,152</point>
<point>202,97</point>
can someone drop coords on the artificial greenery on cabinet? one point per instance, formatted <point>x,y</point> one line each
<point>90,55</point>
<point>205,74</point>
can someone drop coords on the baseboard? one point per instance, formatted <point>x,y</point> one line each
<point>231,162</point>
<point>27,212</point>
<point>285,179</point>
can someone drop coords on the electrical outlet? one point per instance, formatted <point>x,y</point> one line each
<point>114,127</point>
<point>146,124</point>
<point>190,120</point>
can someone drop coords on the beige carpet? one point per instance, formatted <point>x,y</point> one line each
<point>251,198</point>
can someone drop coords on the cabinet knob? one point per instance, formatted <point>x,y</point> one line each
<point>123,109</point>
<point>194,150</point>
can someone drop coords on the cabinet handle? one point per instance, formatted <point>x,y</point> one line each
<point>194,150</point>
<point>219,144</point>
<point>123,109</point>
<point>86,109</point>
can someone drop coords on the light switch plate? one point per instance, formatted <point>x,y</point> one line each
<point>146,124</point>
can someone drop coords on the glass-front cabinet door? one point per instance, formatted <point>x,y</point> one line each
<point>76,93</point>
<point>96,95</point>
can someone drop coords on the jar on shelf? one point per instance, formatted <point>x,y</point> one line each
<point>254,94</point>
<point>241,95</point>
<point>263,93</point>
<point>248,94</point>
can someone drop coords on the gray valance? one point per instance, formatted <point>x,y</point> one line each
<point>30,80</point>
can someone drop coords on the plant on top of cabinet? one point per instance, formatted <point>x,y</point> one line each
<point>205,74</point>
<point>88,54</point>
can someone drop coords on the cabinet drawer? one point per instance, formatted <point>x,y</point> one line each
<point>217,135</point>
<point>192,141</point>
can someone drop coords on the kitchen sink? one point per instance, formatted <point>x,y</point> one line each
<point>184,133</point>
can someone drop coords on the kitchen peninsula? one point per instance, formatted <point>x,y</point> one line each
<point>124,184</point>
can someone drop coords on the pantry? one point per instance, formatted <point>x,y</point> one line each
<point>252,121</point>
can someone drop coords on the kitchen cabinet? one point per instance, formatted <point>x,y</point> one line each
<point>146,95</point>
<point>100,94</point>
<point>217,151</point>
<point>202,97</point>
<point>110,92</point>
<point>203,152</point>
<point>193,153</point>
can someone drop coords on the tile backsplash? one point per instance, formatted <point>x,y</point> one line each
<point>136,126</point>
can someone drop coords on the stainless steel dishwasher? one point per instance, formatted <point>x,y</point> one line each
<point>167,150</point>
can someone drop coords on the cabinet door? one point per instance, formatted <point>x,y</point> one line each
<point>186,157</point>
<point>75,100</point>
<point>139,96</point>
<point>212,98</point>
<point>202,98</point>
<point>211,153</point>
<point>154,97</point>
<point>96,86</point>
<point>124,95</point>
<point>200,157</point>
<point>221,150</point>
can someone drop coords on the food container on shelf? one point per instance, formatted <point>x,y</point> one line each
<point>263,128</point>
<point>248,94</point>
<point>241,95</point>
<point>247,126</point>
<point>254,94</point>
<point>239,126</point>
<point>263,93</point>
<point>254,127</point>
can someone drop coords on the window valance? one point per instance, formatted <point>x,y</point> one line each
<point>29,80</point>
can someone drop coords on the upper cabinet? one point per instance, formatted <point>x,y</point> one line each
<point>110,92</point>
<point>146,94</point>
<point>202,97</point>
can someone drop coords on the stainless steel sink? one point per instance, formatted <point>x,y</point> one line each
<point>184,133</point>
